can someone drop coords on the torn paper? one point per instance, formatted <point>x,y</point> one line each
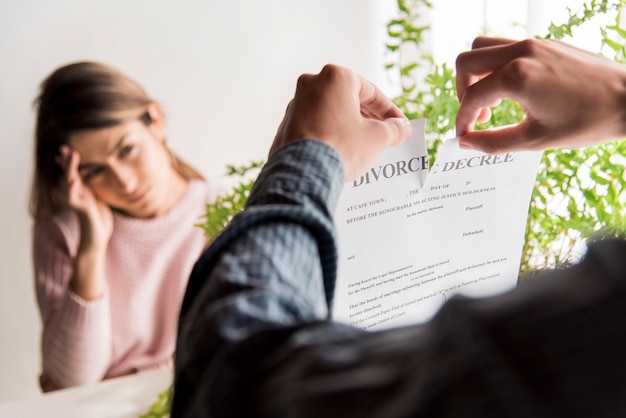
<point>410,236</point>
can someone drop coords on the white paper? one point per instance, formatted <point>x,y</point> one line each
<point>410,238</point>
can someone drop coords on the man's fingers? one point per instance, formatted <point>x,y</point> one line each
<point>346,111</point>
<point>375,103</point>
<point>484,115</point>
<point>502,84</point>
<point>403,128</point>
<point>485,41</point>
<point>370,99</point>
<point>302,81</point>
<point>386,120</point>
<point>388,132</point>
<point>476,64</point>
<point>496,141</point>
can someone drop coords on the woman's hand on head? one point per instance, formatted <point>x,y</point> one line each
<point>345,111</point>
<point>572,98</point>
<point>95,216</point>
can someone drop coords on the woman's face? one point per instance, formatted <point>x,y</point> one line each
<point>127,167</point>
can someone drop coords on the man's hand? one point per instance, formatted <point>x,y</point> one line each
<point>572,98</point>
<point>347,112</point>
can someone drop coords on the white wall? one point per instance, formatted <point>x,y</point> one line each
<point>224,71</point>
<point>453,32</point>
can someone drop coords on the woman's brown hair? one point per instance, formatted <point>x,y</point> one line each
<point>82,96</point>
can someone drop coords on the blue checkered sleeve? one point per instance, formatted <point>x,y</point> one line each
<point>256,338</point>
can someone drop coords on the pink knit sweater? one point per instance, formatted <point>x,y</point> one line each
<point>132,327</point>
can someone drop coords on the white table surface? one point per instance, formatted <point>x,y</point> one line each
<point>122,397</point>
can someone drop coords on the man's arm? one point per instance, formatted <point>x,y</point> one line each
<point>274,266</point>
<point>255,337</point>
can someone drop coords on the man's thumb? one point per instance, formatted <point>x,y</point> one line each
<point>399,130</point>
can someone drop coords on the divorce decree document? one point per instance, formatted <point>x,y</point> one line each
<point>411,236</point>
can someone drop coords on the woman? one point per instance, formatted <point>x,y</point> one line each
<point>114,239</point>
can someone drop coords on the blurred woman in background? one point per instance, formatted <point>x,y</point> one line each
<point>114,237</point>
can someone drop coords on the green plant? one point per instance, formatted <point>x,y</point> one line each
<point>220,212</point>
<point>578,195</point>
<point>162,406</point>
